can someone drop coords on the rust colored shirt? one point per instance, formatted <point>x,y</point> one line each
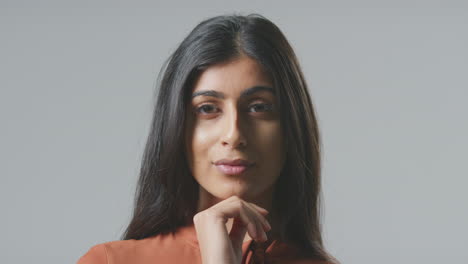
<point>182,247</point>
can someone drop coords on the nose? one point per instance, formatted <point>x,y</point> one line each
<point>233,134</point>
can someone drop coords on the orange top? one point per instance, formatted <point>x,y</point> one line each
<point>182,247</point>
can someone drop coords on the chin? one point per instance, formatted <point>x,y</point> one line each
<point>241,192</point>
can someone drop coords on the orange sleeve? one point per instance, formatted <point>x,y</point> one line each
<point>95,255</point>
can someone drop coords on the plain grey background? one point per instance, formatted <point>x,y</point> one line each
<point>388,80</point>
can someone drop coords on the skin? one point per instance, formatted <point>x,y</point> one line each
<point>232,127</point>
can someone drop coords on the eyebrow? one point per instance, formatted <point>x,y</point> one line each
<point>244,93</point>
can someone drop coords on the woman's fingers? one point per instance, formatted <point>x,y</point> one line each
<point>261,214</point>
<point>252,216</point>
<point>237,233</point>
<point>238,209</point>
<point>256,221</point>
<point>218,244</point>
<point>262,223</point>
<point>260,209</point>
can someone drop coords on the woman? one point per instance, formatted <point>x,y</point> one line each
<point>231,168</point>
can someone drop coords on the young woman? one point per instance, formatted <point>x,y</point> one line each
<point>231,168</point>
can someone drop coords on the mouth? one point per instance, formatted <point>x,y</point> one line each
<point>233,167</point>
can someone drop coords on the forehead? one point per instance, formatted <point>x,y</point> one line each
<point>233,76</point>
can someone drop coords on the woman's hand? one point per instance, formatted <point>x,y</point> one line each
<point>216,245</point>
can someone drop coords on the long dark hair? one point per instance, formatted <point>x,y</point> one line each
<point>166,195</point>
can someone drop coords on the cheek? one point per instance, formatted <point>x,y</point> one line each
<point>200,140</point>
<point>201,137</point>
<point>269,138</point>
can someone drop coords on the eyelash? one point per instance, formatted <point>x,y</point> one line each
<point>268,107</point>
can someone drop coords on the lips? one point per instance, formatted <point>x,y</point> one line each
<point>234,162</point>
<point>233,167</point>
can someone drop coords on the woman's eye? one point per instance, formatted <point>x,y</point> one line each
<point>211,109</point>
<point>262,107</point>
<point>206,109</point>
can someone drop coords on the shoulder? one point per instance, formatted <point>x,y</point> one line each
<point>96,254</point>
<point>292,254</point>
<point>284,252</point>
<point>133,251</point>
<point>119,250</point>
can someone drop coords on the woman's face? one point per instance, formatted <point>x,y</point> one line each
<point>233,115</point>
